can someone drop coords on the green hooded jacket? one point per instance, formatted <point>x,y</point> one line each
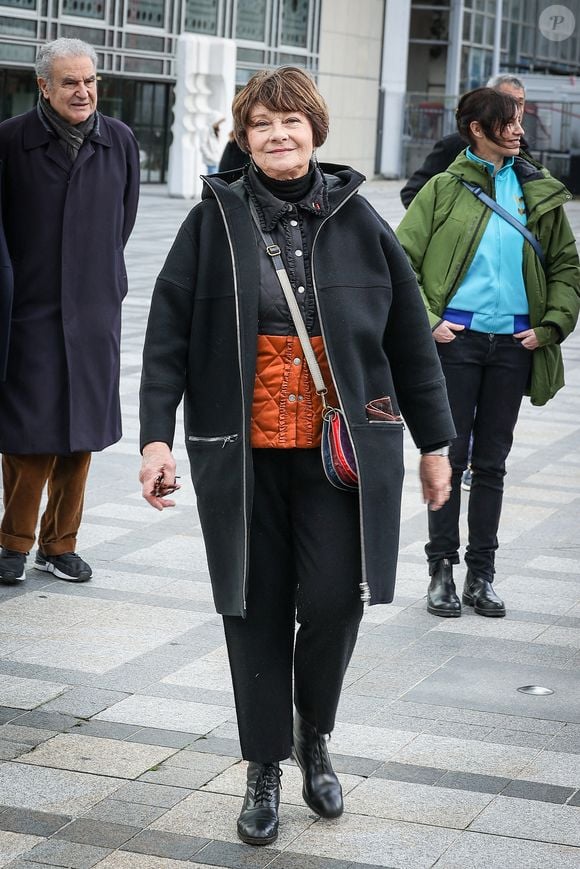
<point>442,230</point>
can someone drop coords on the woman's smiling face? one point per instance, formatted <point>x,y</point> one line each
<point>280,143</point>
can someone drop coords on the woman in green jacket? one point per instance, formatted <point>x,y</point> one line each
<point>499,307</point>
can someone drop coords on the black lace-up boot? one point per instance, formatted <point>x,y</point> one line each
<point>478,592</point>
<point>258,821</point>
<point>322,791</point>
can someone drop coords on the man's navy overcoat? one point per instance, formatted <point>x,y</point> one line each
<point>65,227</point>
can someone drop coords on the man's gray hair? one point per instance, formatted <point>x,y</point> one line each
<point>62,47</point>
<point>506,78</point>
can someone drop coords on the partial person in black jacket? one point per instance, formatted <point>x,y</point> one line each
<point>446,149</point>
<point>232,157</point>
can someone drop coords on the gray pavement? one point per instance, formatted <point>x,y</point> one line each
<point>118,739</point>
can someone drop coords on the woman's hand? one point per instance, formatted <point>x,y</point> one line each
<point>157,475</point>
<point>445,332</point>
<point>435,476</point>
<point>528,338</point>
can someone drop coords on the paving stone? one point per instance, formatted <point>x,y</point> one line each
<point>127,860</point>
<point>377,841</point>
<point>49,720</point>
<point>160,712</point>
<point>84,702</point>
<point>409,772</point>
<point>466,755</point>
<point>575,801</point>
<point>10,713</point>
<point>88,831</point>
<point>218,745</point>
<point>69,854</point>
<point>361,766</point>
<point>479,851</point>
<point>25,735</point>
<point>530,790</point>
<point>529,819</point>
<point>380,743</point>
<point>10,750</point>
<point>121,812</point>
<point>288,860</point>
<point>169,738</point>
<point>52,790</point>
<point>101,756</point>
<point>234,856</point>
<point>496,687</point>
<point>467,781</point>
<point>553,767</point>
<point>13,844</point>
<point>416,803</point>
<point>162,844</point>
<point>107,729</point>
<point>27,693</point>
<point>150,794</point>
<point>34,823</point>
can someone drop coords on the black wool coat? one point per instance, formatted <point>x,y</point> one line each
<point>201,344</point>
<point>65,227</point>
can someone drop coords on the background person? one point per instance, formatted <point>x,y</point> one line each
<point>449,147</point>
<point>211,145</point>
<point>282,543</point>
<point>233,157</point>
<point>498,320</point>
<point>69,198</point>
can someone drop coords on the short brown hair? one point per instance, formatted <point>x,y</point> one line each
<point>492,109</point>
<point>286,89</point>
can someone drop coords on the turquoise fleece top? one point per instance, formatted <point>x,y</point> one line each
<point>492,296</point>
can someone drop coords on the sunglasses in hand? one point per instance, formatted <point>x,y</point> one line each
<point>161,489</point>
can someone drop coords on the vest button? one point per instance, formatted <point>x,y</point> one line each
<point>291,397</point>
<point>297,361</point>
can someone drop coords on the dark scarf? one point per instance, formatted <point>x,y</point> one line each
<point>70,137</point>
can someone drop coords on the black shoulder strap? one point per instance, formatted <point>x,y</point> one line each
<point>509,218</point>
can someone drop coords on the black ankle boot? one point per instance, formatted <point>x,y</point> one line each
<point>442,598</point>
<point>478,593</point>
<point>258,821</point>
<point>321,791</point>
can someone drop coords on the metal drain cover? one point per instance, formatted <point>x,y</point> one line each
<point>535,689</point>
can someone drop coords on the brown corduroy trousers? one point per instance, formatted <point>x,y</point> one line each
<point>24,479</point>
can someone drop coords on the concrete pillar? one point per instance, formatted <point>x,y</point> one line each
<point>394,85</point>
<point>206,75</point>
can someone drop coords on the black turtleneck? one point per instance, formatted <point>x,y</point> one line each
<point>288,191</point>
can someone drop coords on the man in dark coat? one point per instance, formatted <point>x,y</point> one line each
<point>446,149</point>
<point>70,186</point>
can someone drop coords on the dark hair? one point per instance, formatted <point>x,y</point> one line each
<point>286,89</point>
<point>493,110</point>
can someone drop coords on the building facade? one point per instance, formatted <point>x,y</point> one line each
<point>391,70</point>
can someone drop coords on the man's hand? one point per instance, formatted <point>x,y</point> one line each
<point>445,332</point>
<point>528,339</point>
<point>435,476</point>
<point>157,475</point>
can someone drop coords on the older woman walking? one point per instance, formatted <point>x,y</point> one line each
<point>502,292</point>
<point>282,542</point>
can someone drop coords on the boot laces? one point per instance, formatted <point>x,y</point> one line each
<point>268,782</point>
<point>320,753</point>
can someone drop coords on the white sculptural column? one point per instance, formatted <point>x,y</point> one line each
<point>206,74</point>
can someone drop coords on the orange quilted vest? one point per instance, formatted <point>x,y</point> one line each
<point>286,411</point>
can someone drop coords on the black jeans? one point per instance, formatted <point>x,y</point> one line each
<point>305,565</point>
<point>486,376</point>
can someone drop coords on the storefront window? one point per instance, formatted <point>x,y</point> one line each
<point>150,13</point>
<point>251,20</point>
<point>84,8</point>
<point>295,23</point>
<point>201,16</point>
<point>21,4</point>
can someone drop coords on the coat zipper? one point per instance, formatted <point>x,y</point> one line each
<point>365,592</point>
<point>223,439</point>
<point>241,374</point>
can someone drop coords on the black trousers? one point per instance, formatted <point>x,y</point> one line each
<point>305,566</point>
<point>486,376</point>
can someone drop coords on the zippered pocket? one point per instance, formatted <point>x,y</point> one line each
<point>217,440</point>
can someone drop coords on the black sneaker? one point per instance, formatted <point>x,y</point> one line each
<point>12,566</point>
<point>69,566</point>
